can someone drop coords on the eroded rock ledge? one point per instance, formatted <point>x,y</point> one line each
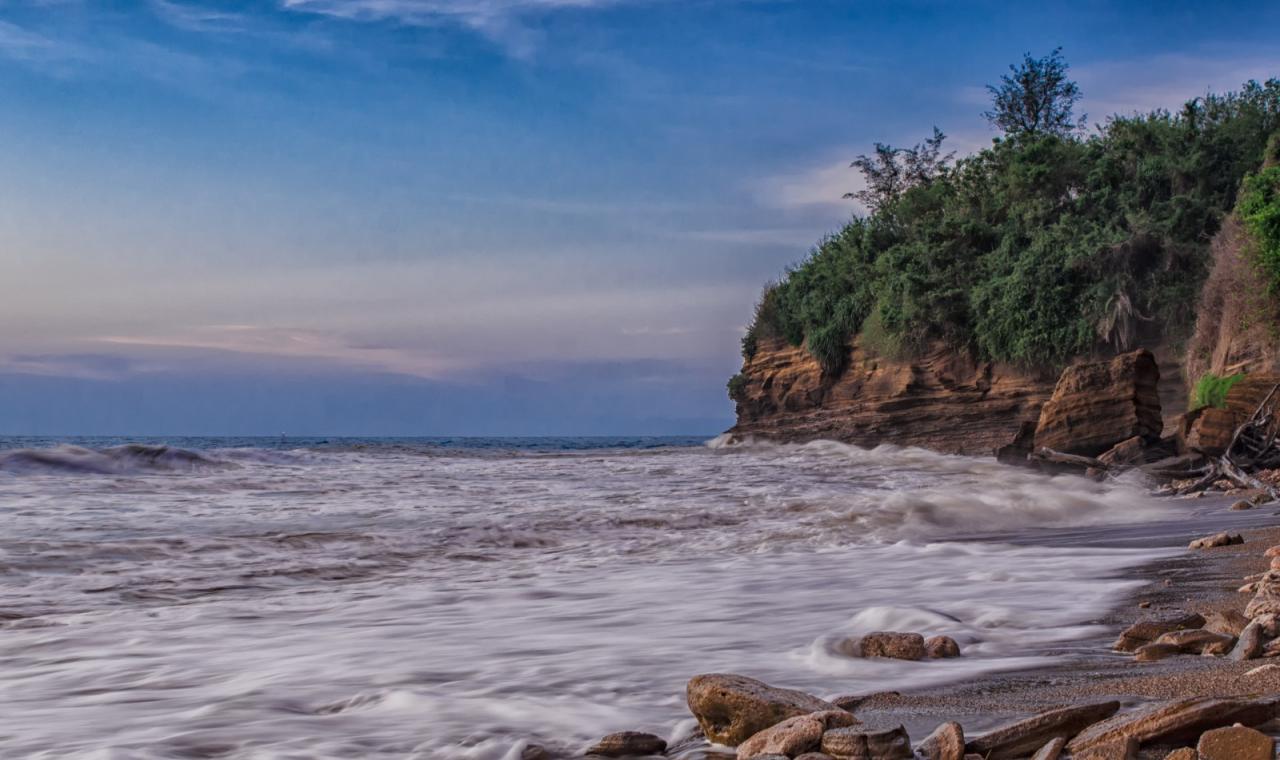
<point>942,401</point>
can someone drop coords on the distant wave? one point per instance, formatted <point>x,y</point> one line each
<point>115,460</point>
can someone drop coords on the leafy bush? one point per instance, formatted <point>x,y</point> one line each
<point>1042,247</point>
<point>737,387</point>
<point>1259,209</point>
<point>1211,390</point>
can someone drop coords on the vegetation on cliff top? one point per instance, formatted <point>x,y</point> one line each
<point>1049,244</point>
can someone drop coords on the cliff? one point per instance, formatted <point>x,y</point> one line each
<point>1238,319</point>
<point>944,400</point>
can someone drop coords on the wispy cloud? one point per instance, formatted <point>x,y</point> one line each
<point>293,344</point>
<point>820,185</point>
<point>24,45</point>
<point>197,18</point>
<point>1166,81</point>
<point>85,366</point>
<point>502,21</point>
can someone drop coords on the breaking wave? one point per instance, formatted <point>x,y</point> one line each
<point>115,460</point>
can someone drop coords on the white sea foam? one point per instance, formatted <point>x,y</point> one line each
<point>400,603</point>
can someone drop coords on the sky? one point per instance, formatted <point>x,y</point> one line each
<point>476,217</point>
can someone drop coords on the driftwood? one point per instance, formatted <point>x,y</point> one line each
<point>1046,454</point>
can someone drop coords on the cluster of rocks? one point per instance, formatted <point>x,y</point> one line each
<point>1250,635</point>
<point>764,722</point>
<point>900,646</point>
<point>767,723</point>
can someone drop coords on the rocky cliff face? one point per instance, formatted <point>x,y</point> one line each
<point>1238,318</point>
<point>942,401</point>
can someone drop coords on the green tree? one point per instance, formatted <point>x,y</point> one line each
<point>1036,99</point>
<point>890,171</point>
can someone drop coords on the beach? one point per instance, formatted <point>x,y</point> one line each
<point>465,599</point>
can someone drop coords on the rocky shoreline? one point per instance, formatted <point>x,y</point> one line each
<point>1101,702</point>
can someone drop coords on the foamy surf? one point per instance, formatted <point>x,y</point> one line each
<point>419,600</point>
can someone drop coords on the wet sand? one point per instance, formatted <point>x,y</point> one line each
<point>1200,581</point>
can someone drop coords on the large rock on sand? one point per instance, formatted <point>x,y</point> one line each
<point>1149,629</point>
<point>1098,405</point>
<point>1026,736</point>
<point>789,738</point>
<point>628,744</point>
<point>795,736</point>
<point>945,743</point>
<point>1172,721</point>
<point>732,708</point>
<point>898,646</point>
<point>868,744</point>
<point>1236,743</point>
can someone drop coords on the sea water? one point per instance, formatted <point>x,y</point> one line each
<point>457,598</point>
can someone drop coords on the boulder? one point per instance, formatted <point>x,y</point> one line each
<point>1051,750</point>
<point>732,708</point>
<point>795,736</point>
<point>1216,540</point>
<point>1228,623</point>
<point>535,752</point>
<point>1151,628</point>
<point>1100,404</point>
<point>1023,737</point>
<point>940,647</point>
<point>791,737</point>
<point>1018,450</point>
<point>1251,642</point>
<point>1236,743</point>
<point>1186,753</point>
<point>1241,505</point>
<point>851,702</point>
<point>868,744</point>
<point>628,744</point>
<point>1197,641</point>
<point>894,645</point>
<point>814,756</point>
<point>1124,748</point>
<point>945,743</point>
<point>1172,721</point>
<point>1156,652</point>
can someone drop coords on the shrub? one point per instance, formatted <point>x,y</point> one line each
<point>1259,209</point>
<point>737,387</point>
<point>1211,390</point>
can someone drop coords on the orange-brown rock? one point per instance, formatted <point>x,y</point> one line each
<point>942,400</point>
<point>732,708</point>
<point>945,743</point>
<point>1236,743</point>
<point>1026,736</point>
<point>1212,431</point>
<point>1100,404</point>
<point>1172,721</point>
<point>898,646</point>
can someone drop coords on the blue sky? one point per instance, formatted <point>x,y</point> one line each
<point>474,216</point>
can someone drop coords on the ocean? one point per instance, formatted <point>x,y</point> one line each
<point>458,598</point>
